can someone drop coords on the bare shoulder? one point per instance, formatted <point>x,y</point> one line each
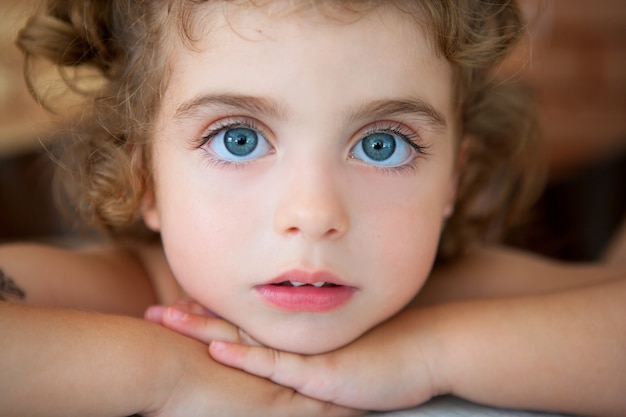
<point>616,252</point>
<point>152,256</point>
<point>502,271</point>
<point>501,262</point>
<point>105,277</point>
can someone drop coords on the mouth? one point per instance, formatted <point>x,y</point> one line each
<point>297,284</point>
<point>302,291</point>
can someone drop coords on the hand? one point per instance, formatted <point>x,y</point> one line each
<point>387,368</point>
<point>208,387</point>
<point>205,388</point>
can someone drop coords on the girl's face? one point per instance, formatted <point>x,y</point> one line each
<point>303,168</point>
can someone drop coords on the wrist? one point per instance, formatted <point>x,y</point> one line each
<point>414,338</point>
<point>166,367</point>
<point>430,324</point>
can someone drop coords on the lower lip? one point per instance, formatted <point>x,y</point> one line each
<point>305,298</point>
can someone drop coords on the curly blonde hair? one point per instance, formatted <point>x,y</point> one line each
<point>106,172</point>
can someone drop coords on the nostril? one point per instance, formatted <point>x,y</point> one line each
<point>310,232</point>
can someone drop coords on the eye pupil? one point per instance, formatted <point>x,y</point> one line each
<point>379,146</point>
<point>241,141</point>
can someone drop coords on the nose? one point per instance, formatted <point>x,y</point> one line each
<point>311,205</point>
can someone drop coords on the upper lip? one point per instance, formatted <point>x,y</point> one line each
<point>306,277</point>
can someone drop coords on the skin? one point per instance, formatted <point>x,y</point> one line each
<point>73,345</point>
<point>310,201</point>
<point>616,252</point>
<point>471,341</point>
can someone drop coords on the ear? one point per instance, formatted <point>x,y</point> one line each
<point>459,163</point>
<point>150,212</point>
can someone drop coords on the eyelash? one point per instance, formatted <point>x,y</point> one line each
<point>221,126</point>
<point>411,137</point>
<point>394,128</point>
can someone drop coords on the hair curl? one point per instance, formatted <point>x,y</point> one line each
<point>105,171</point>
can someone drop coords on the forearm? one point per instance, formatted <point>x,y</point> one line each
<point>66,363</point>
<point>563,351</point>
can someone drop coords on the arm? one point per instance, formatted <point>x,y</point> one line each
<point>66,363</point>
<point>503,272</point>
<point>105,278</point>
<point>552,348</point>
<point>79,363</point>
<point>564,351</point>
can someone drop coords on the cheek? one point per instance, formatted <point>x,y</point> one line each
<point>197,252</point>
<point>405,213</point>
<point>408,246</point>
<point>207,230</point>
<point>400,229</point>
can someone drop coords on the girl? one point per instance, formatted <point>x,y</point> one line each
<point>301,166</point>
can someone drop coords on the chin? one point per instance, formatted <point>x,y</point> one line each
<point>307,345</point>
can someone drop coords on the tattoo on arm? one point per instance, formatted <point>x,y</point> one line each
<point>9,289</point>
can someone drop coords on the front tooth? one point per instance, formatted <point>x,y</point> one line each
<point>319,284</point>
<point>296,283</point>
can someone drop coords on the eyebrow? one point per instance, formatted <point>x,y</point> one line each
<point>251,104</point>
<point>381,109</point>
<point>375,110</point>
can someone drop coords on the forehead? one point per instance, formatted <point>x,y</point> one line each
<point>275,47</point>
<point>196,12</point>
<point>253,19</point>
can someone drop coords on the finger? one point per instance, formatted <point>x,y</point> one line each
<point>199,327</point>
<point>155,314</point>
<point>302,373</point>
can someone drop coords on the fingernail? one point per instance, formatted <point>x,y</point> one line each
<point>219,345</point>
<point>175,314</point>
<point>154,313</point>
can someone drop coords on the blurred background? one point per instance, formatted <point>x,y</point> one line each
<point>574,59</point>
<point>26,207</point>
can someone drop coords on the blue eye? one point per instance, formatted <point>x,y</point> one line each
<point>383,149</point>
<point>239,144</point>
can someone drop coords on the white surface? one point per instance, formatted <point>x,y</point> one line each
<point>455,407</point>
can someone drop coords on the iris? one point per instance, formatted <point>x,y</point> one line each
<point>241,141</point>
<point>379,146</point>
